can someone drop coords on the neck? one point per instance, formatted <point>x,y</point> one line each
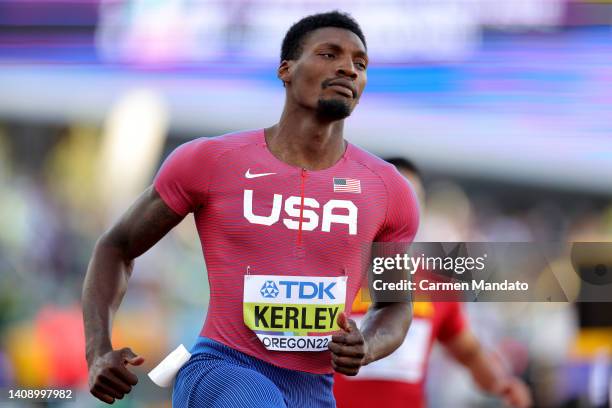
<point>305,140</point>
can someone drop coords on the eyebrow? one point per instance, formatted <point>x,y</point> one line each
<point>339,48</point>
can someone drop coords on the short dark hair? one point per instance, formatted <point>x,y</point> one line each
<point>293,41</point>
<point>402,163</point>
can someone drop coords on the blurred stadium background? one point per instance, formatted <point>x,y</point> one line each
<point>506,107</point>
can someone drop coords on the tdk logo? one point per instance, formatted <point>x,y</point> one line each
<point>308,290</point>
<point>269,289</point>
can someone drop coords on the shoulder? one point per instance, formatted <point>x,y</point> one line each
<point>212,147</point>
<point>385,172</point>
<point>402,211</point>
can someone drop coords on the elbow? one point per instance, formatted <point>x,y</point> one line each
<point>110,245</point>
<point>110,239</point>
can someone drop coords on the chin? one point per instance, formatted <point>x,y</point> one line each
<point>333,109</point>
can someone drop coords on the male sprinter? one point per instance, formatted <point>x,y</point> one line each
<point>282,214</point>
<point>399,380</point>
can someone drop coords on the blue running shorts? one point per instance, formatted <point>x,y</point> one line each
<point>217,376</point>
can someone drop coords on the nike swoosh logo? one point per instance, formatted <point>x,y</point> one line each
<point>250,175</point>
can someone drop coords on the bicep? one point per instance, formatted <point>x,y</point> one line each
<point>146,222</point>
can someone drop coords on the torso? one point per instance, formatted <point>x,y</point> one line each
<point>249,223</point>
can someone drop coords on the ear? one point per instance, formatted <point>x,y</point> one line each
<point>284,71</point>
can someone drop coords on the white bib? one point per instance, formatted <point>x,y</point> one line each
<point>293,313</point>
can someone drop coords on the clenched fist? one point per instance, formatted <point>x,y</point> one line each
<point>109,378</point>
<point>348,348</point>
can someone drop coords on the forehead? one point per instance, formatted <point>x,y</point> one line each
<point>333,35</point>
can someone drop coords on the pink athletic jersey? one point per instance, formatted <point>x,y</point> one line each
<point>258,215</point>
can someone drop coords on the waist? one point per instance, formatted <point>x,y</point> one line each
<point>206,347</point>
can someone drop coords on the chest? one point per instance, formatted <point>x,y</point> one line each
<point>297,204</point>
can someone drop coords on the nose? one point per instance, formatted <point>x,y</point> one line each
<point>347,69</point>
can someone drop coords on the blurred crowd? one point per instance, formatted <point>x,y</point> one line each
<point>52,212</point>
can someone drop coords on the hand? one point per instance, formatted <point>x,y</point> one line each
<point>515,393</point>
<point>349,349</point>
<point>109,378</point>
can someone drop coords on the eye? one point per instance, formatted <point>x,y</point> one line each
<point>362,66</point>
<point>327,55</point>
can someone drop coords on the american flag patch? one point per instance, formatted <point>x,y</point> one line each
<point>347,185</point>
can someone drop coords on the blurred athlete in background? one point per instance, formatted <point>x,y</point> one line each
<point>399,380</point>
<point>282,214</point>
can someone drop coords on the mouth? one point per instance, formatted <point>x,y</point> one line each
<point>343,88</point>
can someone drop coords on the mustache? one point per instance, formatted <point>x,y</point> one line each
<point>326,83</point>
<point>342,81</point>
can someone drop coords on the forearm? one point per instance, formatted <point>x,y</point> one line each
<point>105,284</point>
<point>490,375</point>
<point>144,224</point>
<point>487,373</point>
<point>384,328</point>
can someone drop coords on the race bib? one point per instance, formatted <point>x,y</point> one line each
<point>293,313</point>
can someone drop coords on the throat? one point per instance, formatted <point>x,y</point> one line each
<point>308,150</point>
